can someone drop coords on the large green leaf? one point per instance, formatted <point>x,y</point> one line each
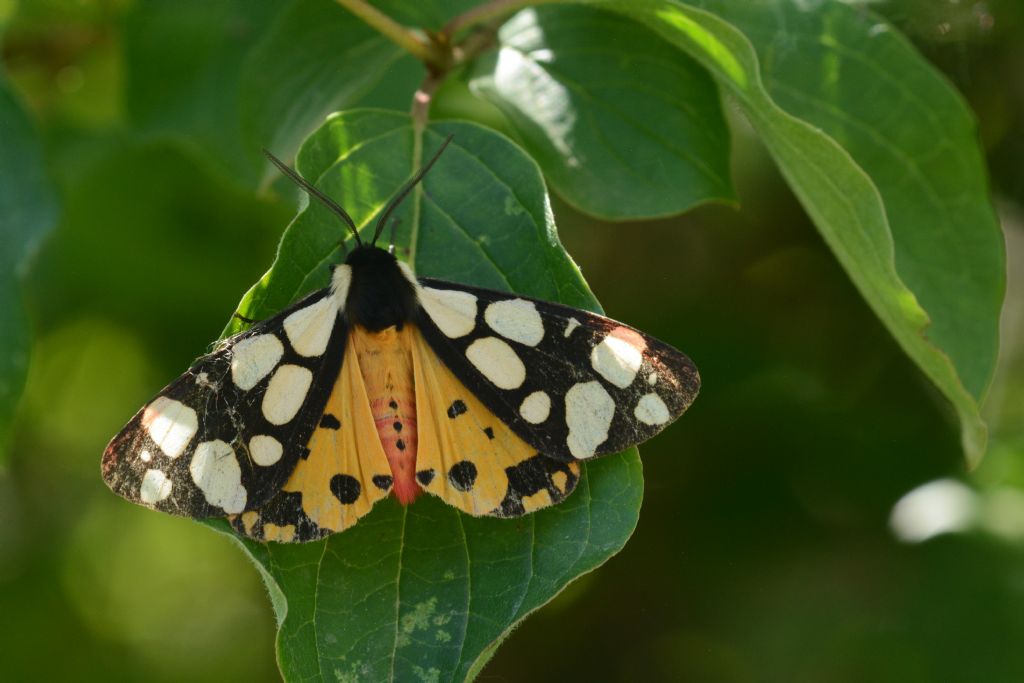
<point>229,78</point>
<point>425,592</point>
<point>623,124</point>
<point>855,77</point>
<point>28,210</point>
<point>953,244</point>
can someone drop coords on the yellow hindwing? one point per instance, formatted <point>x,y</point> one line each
<point>466,454</point>
<point>337,479</point>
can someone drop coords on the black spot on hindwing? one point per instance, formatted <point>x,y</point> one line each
<point>532,476</point>
<point>282,510</point>
<point>345,488</point>
<point>328,421</point>
<point>456,408</point>
<point>425,477</point>
<point>382,481</point>
<point>462,475</point>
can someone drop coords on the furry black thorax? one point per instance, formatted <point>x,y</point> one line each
<point>379,296</point>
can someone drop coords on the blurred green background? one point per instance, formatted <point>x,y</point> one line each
<point>810,519</point>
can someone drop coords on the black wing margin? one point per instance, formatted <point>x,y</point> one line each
<point>206,445</point>
<point>583,386</point>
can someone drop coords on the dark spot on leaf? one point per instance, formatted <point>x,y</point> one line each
<point>382,481</point>
<point>328,421</point>
<point>489,432</point>
<point>425,477</point>
<point>345,488</point>
<point>456,408</point>
<point>462,475</point>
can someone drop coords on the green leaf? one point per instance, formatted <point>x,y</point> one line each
<point>623,124</point>
<point>425,592</point>
<point>229,78</point>
<point>28,207</point>
<point>425,14</point>
<point>848,72</point>
<point>919,171</point>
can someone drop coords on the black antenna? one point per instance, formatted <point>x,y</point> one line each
<point>312,191</point>
<point>393,204</point>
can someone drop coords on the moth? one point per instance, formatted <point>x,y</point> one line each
<point>388,384</point>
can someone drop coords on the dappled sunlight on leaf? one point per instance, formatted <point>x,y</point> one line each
<point>623,129</point>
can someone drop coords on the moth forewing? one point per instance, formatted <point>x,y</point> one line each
<point>571,383</point>
<point>224,437</point>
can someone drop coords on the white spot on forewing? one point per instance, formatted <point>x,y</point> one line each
<point>570,326</point>
<point>341,280</point>
<point>265,450</point>
<point>497,362</point>
<point>652,378</point>
<point>215,471</point>
<point>155,487</point>
<point>145,456</point>
<point>651,410</point>
<point>453,312</point>
<point>536,407</point>
<point>253,358</point>
<point>589,410</point>
<point>171,424</point>
<point>285,393</point>
<point>617,359</point>
<point>516,319</point>
<point>309,329</point>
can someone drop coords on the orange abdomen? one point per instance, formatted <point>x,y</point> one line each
<point>385,362</point>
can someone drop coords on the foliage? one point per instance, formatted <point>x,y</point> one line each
<point>29,208</point>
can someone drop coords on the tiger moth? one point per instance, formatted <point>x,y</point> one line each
<point>388,384</point>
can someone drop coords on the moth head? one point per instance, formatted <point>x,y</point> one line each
<point>369,256</point>
<point>382,291</point>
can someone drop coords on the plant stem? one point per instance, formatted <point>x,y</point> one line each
<point>398,34</point>
<point>476,42</point>
<point>440,54</point>
<point>422,98</point>
<point>420,114</point>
